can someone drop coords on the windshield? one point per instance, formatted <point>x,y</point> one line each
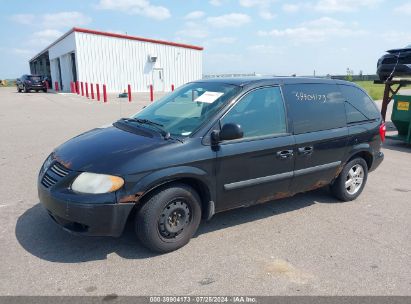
<point>183,111</point>
<point>34,78</point>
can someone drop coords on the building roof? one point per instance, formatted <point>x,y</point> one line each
<point>122,36</point>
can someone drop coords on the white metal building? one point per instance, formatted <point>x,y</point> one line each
<point>117,60</point>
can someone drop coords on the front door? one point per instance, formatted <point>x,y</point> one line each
<point>158,80</point>
<point>258,167</point>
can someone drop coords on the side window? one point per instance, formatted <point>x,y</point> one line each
<point>259,113</point>
<point>359,106</point>
<point>315,107</point>
<point>353,115</point>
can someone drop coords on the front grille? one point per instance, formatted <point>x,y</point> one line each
<point>59,170</point>
<point>48,181</point>
<point>54,174</point>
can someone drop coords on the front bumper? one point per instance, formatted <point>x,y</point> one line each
<point>93,219</point>
<point>36,86</point>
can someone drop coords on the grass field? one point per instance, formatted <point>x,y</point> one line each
<point>376,91</point>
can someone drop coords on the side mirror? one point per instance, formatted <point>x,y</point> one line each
<point>229,131</point>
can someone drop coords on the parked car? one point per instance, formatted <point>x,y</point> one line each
<point>211,146</point>
<point>27,83</point>
<point>396,63</point>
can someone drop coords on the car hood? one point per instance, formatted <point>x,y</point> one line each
<point>106,150</point>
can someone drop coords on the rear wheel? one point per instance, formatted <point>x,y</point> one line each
<point>169,218</point>
<point>351,181</point>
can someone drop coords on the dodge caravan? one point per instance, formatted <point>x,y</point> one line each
<point>211,146</point>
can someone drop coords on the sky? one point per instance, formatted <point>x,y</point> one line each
<point>239,36</point>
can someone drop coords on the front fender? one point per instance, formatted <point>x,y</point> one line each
<point>160,177</point>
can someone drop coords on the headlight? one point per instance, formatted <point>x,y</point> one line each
<point>47,162</point>
<point>96,183</point>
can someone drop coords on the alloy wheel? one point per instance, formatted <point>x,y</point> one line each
<point>355,179</point>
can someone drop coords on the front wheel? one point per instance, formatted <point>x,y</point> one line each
<point>26,90</point>
<point>169,218</point>
<point>351,181</point>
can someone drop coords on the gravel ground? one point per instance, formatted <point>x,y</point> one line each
<point>310,244</point>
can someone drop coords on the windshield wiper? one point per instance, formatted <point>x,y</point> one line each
<point>144,121</point>
<point>157,126</point>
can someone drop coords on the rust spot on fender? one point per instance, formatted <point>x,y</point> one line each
<point>66,164</point>
<point>340,168</point>
<point>129,199</point>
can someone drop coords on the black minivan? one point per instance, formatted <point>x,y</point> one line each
<point>209,146</point>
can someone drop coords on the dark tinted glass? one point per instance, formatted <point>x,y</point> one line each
<point>315,107</point>
<point>34,78</point>
<point>353,115</point>
<point>360,101</point>
<point>259,113</point>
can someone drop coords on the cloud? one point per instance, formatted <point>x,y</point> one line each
<point>44,37</point>
<point>315,30</point>
<point>267,15</point>
<point>332,6</point>
<point>291,8</point>
<point>324,22</point>
<point>229,20</point>
<point>194,15</point>
<point>54,21</point>
<point>266,49</point>
<point>65,19</point>
<point>398,37</point>
<point>193,30</point>
<point>253,3</point>
<point>224,40</point>
<point>262,5</point>
<point>23,18</point>
<point>216,2</point>
<point>136,7</point>
<point>403,9</point>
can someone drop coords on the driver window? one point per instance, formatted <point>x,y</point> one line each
<point>259,113</point>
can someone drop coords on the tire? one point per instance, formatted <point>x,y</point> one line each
<point>45,90</point>
<point>26,90</point>
<point>355,171</point>
<point>169,218</point>
<point>37,91</point>
<point>18,89</point>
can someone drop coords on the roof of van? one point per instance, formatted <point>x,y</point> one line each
<point>242,81</point>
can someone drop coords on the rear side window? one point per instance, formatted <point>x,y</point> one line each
<point>359,106</point>
<point>315,107</point>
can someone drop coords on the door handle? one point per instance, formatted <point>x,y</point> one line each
<point>285,154</point>
<point>306,150</point>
